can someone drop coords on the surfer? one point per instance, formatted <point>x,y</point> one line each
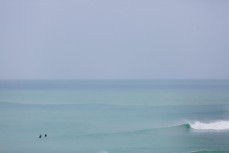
<point>40,136</point>
<point>45,135</point>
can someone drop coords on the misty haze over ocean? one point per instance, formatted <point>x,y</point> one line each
<point>121,76</point>
<point>101,39</point>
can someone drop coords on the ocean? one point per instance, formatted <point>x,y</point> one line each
<point>114,116</point>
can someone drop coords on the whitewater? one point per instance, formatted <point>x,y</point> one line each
<point>216,125</point>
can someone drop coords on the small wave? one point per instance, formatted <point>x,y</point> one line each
<point>185,126</point>
<point>137,132</point>
<point>217,125</point>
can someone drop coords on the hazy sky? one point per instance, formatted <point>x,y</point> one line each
<point>114,39</point>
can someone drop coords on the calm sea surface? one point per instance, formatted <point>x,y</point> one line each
<point>114,116</point>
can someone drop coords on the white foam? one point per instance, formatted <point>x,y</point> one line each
<point>217,125</point>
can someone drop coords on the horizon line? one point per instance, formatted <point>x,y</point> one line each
<point>194,79</point>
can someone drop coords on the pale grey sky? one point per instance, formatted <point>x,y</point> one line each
<point>114,39</point>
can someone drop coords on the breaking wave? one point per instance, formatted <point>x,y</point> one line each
<point>213,126</point>
<point>216,125</point>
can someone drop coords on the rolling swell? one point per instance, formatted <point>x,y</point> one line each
<point>214,126</point>
<point>182,127</point>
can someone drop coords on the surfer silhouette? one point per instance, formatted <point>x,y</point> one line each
<point>40,136</point>
<point>45,135</point>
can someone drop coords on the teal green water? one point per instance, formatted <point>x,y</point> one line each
<point>114,116</point>
<point>115,92</point>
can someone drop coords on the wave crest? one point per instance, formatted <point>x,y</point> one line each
<point>217,125</point>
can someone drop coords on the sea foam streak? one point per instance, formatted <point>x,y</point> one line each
<point>217,125</point>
